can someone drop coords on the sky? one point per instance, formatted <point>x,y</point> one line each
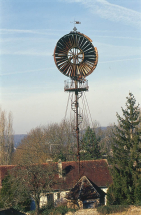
<point>31,86</point>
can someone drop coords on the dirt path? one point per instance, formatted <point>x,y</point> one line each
<point>84,212</point>
<point>131,211</point>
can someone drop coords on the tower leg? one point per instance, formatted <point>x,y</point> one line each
<point>77,126</point>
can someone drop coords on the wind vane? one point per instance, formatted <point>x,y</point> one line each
<point>75,22</point>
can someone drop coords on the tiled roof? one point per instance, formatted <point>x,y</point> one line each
<point>96,171</point>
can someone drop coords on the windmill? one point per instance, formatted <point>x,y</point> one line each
<point>76,57</point>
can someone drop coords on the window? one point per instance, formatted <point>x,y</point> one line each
<point>58,195</point>
<point>50,198</point>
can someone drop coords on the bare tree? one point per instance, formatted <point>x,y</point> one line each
<point>61,140</point>
<point>32,181</point>
<point>34,174</point>
<point>6,137</point>
<point>106,140</point>
<point>51,142</point>
<point>34,148</point>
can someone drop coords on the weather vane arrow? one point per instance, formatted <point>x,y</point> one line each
<point>75,22</point>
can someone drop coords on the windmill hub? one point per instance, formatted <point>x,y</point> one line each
<point>75,55</point>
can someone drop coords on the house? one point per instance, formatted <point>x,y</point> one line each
<point>95,172</point>
<point>87,186</point>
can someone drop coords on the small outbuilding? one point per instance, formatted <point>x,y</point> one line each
<point>83,195</point>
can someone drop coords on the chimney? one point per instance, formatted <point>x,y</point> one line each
<point>60,168</point>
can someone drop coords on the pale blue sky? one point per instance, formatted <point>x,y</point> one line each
<point>30,84</point>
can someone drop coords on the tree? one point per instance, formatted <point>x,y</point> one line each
<point>6,138</point>
<point>61,140</point>
<point>7,196</point>
<point>126,156</point>
<point>34,148</point>
<point>89,147</point>
<point>28,182</point>
<point>106,139</point>
<point>54,141</point>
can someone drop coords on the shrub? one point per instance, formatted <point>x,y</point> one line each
<point>47,209</point>
<point>8,199</point>
<point>62,210</point>
<point>103,210</point>
<point>137,193</point>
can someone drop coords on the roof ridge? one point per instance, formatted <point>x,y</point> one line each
<point>97,160</point>
<point>7,165</point>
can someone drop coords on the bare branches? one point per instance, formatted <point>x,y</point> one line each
<point>6,137</point>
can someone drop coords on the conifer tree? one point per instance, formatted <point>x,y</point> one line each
<point>90,149</point>
<point>126,156</point>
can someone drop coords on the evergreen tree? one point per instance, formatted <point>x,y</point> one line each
<point>8,197</point>
<point>90,149</point>
<point>126,156</point>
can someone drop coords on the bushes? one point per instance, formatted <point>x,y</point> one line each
<point>47,209</point>
<point>103,210</point>
<point>137,193</point>
<point>61,210</point>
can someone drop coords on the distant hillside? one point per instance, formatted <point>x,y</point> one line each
<point>18,138</point>
<point>102,128</point>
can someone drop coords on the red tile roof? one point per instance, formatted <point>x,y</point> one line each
<point>96,171</point>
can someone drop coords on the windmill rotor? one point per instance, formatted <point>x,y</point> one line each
<point>75,56</point>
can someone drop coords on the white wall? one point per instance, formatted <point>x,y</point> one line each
<point>43,199</point>
<point>105,190</point>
